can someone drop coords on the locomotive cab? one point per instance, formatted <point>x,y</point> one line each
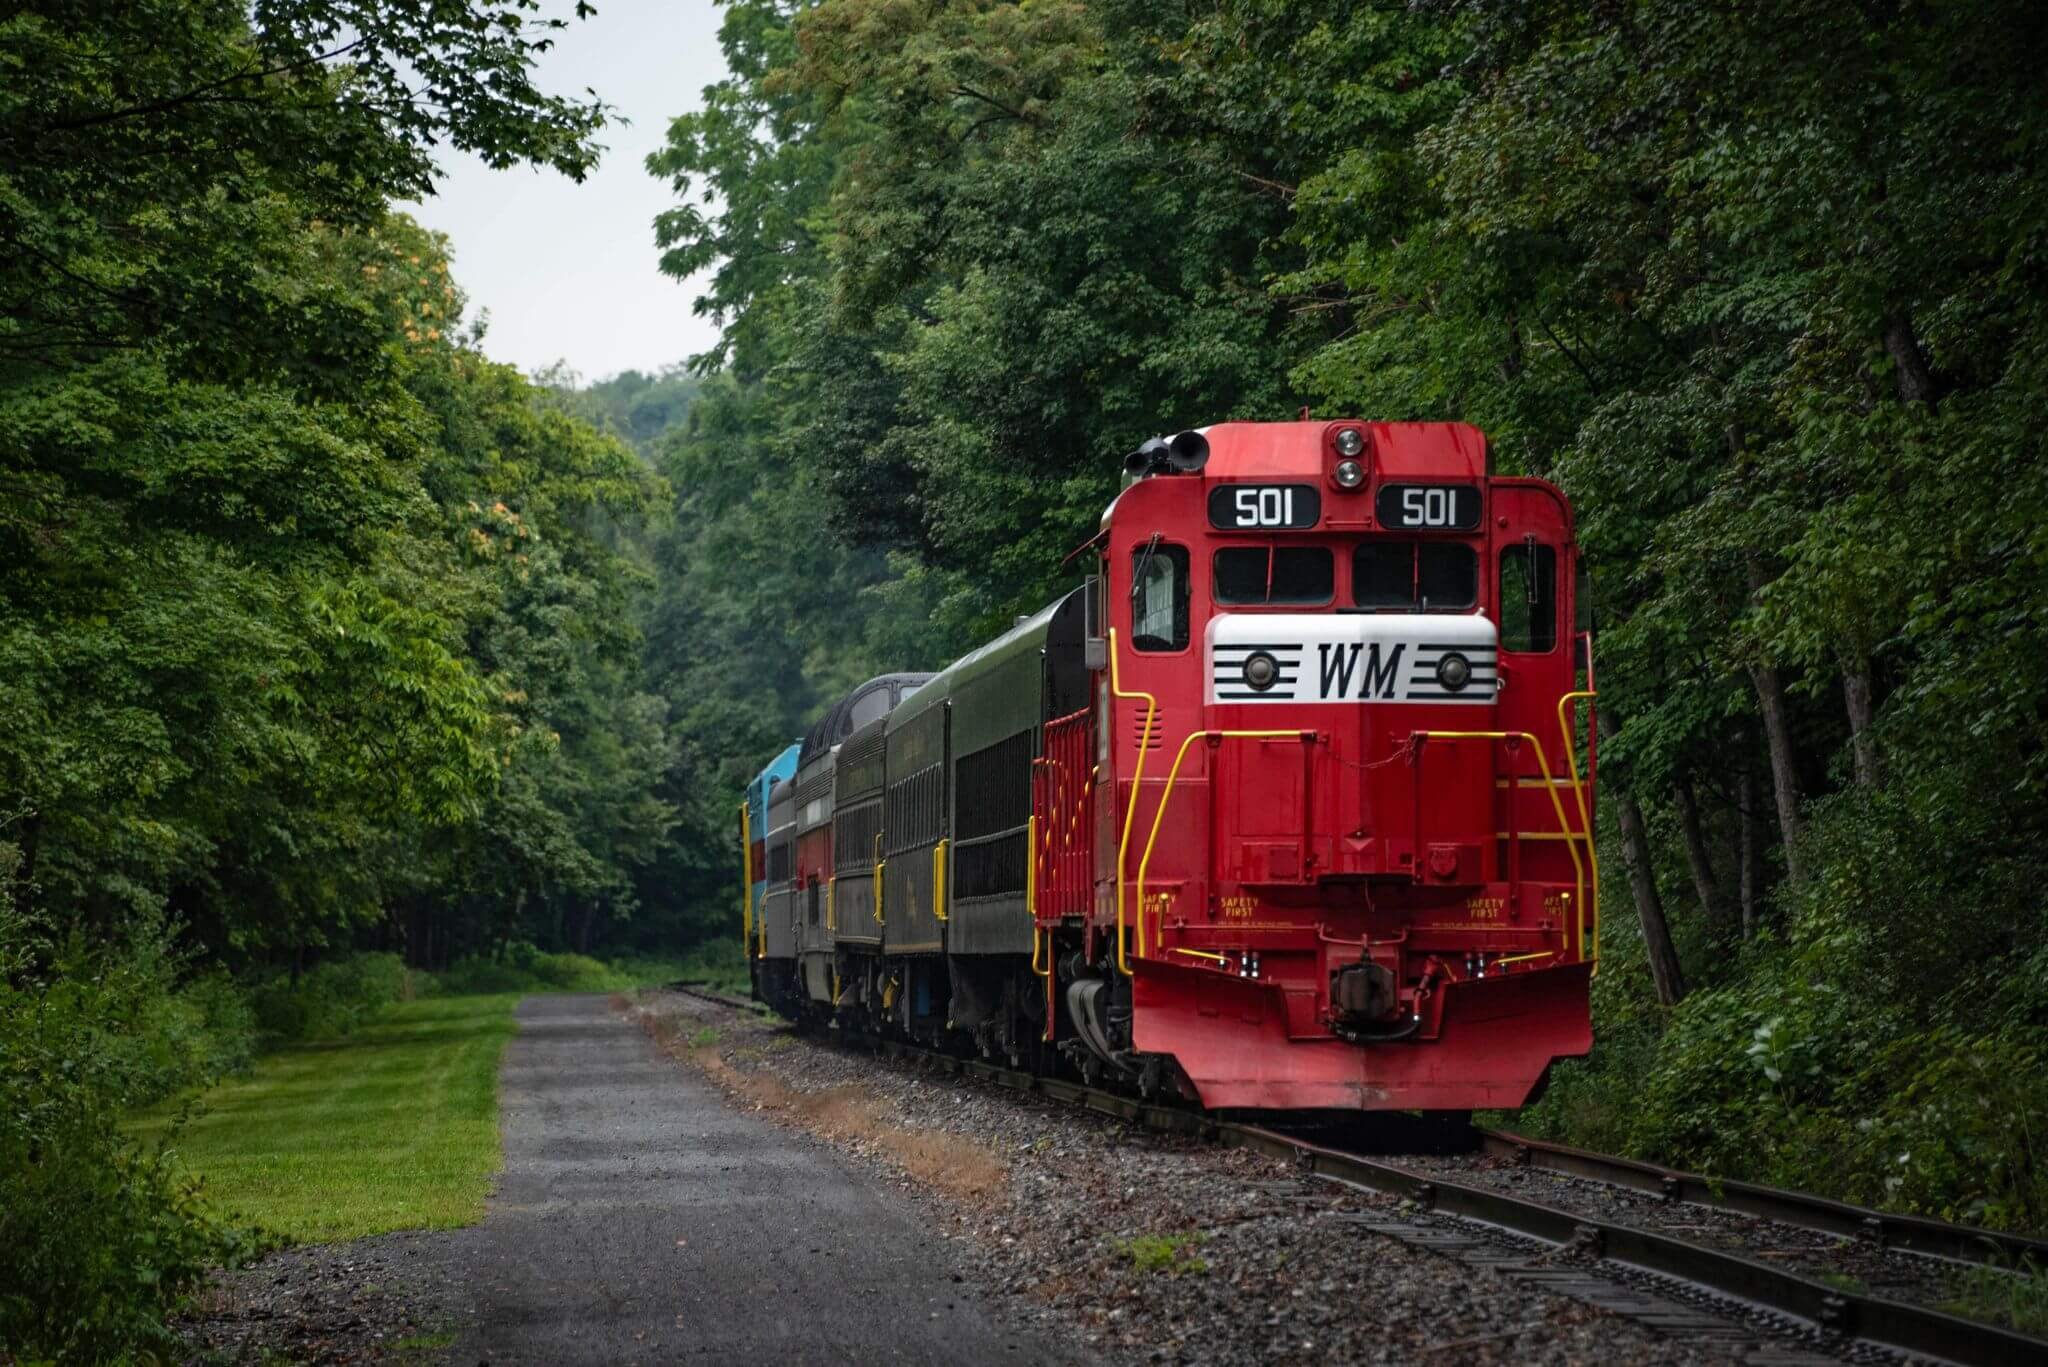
<point>1343,850</point>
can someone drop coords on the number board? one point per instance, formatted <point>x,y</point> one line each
<point>1258,507</point>
<point>1428,507</point>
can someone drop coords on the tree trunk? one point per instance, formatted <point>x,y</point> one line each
<point>1856,701</point>
<point>1752,851</point>
<point>1705,885</point>
<point>1665,973</point>
<point>1915,377</point>
<point>1777,718</point>
<point>1770,694</point>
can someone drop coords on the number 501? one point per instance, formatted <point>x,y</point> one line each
<point>1267,507</point>
<point>1428,507</point>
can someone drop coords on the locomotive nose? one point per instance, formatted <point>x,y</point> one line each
<point>1362,800</point>
<point>1270,658</point>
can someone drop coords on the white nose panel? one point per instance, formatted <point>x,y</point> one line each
<point>1351,657</point>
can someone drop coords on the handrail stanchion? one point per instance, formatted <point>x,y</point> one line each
<point>1565,711</point>
<point>1123,844</point>
<point>1564,824</point>
<point>880,862</point>
<point>1173,777</point>
<point>747,878</point>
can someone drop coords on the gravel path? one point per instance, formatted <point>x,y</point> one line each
<point>1152,1249</point>
<point>640,1219</point>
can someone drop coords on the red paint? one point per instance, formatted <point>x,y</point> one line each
<point>1364,841</point>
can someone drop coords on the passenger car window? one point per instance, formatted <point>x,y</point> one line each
<point>1301,575</point>
<point>869,706</point>
<point>1402,576</point>
<point>1159,597</point>
<point>1528,598</point>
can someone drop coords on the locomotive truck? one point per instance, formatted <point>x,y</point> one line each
<point>1281,809</point>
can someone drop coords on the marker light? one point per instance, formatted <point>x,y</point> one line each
<point>1350,474</point>
<point>1350,441</point>
<point>1261,670</point>
<point>1453,671</point>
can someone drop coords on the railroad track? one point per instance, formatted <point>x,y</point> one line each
<point>1642,1273</point>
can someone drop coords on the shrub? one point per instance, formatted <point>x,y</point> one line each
<point>99,1236</point>
<point>523,968</point>
<point>328,1001</point>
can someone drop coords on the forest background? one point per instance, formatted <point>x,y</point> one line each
<point>321,634</point>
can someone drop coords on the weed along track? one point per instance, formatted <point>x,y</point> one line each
<point>1124,1214</point>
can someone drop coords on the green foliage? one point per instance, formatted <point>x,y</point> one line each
<point>1760,286</point>
<point>100,1234</point>
<point>637,407</point>
<point>719,963</point>
<point>2017,1296</point>
<point>1168,1253</point>
<point>313,623</point>
<point>330,1000</point>
<point>525,969</point>
<point>520,967</point>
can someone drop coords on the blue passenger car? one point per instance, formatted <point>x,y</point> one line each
<point>754,835</point>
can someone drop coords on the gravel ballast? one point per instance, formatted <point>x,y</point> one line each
<point>1155,1249</point>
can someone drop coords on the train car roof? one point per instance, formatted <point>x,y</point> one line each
<point>1022,643</point>
<point>781,767</point>
<point>838,721</point>
<point>1246,451</point>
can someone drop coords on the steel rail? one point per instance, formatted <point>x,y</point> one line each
<point>1912,1233</point>
<point>1897,1325</point>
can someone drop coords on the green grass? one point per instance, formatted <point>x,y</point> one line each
<point>395,1127</point>
<point>421,1343</point>
<point>1174,1253</point>
<point>2004,1295</point>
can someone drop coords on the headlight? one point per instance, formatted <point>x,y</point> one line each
<point>1260,670</point>
<point>1350,474</point>
<point>1350,441</point>
<point>1453,671</point>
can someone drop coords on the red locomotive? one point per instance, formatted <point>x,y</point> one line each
<point>1281,810</point>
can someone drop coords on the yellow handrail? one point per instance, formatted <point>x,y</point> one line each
<point>1550,787</point>
<point>1571,754</point>
<point>1123,843</point>
<point>831,911</point>
<point>746,876</point>
<point>1166,793</point>
<point>1031,896</point>
<point>939,882</point>
<point>879,864</point>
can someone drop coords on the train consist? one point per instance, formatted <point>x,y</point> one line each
<point>1280,809</point>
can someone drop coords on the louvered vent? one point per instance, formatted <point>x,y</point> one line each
<point>1139,736</point>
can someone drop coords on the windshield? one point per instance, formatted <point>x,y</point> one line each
<point>1415,576</point>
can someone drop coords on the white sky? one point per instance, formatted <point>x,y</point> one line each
<point>567,271</point>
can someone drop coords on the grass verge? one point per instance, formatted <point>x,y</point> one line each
<point>395,1127</point>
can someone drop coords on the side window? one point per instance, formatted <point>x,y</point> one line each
<point>1528,598</point>
<point>1159,597</point>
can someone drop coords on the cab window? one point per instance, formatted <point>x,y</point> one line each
<point>1406,576</point>
<point>1296,575</point>
<point>1159,597</point>
<point>1528,598</point>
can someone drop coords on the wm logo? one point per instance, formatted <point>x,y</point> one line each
<point>1341,664</point>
